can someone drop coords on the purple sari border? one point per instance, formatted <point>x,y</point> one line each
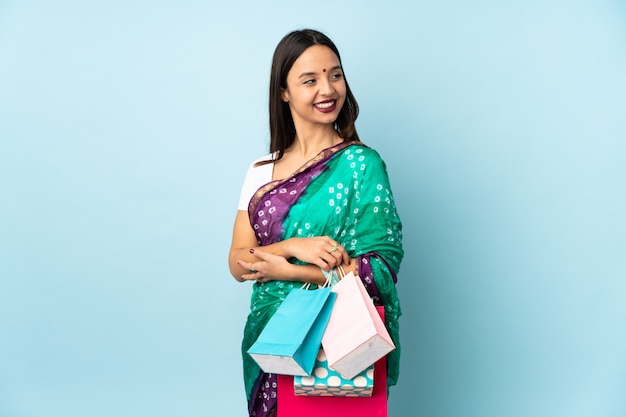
<point>367,275</point>
<point>321,157</point>
<point>273,201</point>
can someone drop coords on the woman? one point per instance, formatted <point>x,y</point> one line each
<point>321,199</point>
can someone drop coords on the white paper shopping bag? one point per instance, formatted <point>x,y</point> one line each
<point>355,336</point>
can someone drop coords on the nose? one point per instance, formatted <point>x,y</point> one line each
<point>326,87</point>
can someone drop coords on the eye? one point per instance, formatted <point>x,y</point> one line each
<point>309,82</point>
<point>337,76</point>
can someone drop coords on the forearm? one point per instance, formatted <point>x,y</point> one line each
<point>246,255</point>
<point>308,274</point>
<point>315,275</point>
<point>265,266</point>
<point>259,269</point>
<point>312,273</point>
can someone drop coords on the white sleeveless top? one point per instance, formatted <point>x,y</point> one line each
<point>256,177</point>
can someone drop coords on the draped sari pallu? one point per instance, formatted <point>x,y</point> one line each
<point>343,193</point>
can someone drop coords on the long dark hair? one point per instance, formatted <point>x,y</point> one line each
<point>282,129</point>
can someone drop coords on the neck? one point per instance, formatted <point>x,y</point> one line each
<point>310,142</point>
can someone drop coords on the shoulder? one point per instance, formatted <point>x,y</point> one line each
<point>257,176</point>
<point>362,150</point>
<point>260,171</point>
<point>268,157</point>
<point>363,156</point>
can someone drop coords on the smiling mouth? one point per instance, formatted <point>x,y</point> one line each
<point>326,105</point>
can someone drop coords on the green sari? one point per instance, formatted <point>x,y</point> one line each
<point>343,193</point>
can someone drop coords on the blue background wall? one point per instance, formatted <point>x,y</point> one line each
<point>125,131</point>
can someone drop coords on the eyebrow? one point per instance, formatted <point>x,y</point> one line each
<point>308,74</point>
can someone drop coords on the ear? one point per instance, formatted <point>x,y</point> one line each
<point>284,95</point>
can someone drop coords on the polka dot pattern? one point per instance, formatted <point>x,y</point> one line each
<point>325,382</point>
<point>347,204</point>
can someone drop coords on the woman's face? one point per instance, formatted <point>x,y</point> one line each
<point>316,89</point>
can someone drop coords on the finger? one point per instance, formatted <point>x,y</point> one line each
<point>340,253</point>
<point>322,260</point>
<point>246,265</point>
<point>261,254</point>
<point>345,256</point>
<point>253,276</point>
<point>257,276</point>
<point>338,257</point>
<point>328,261</point>
<point>250,267</point>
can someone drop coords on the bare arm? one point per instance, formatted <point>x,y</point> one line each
<point>242,241</point>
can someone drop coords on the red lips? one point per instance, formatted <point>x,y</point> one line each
<point>326,106</point>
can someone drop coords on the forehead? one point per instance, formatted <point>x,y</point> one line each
<point>314,59</point>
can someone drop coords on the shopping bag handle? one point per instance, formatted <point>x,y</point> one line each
<point>340,271</point>
<point>329,277</point>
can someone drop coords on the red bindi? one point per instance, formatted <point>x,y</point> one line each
<point>324,70</point>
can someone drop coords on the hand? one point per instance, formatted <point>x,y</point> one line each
<point>319,250</point>
<point>270,268</point>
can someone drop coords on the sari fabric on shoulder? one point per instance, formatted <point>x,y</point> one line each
<point>343,193</point>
